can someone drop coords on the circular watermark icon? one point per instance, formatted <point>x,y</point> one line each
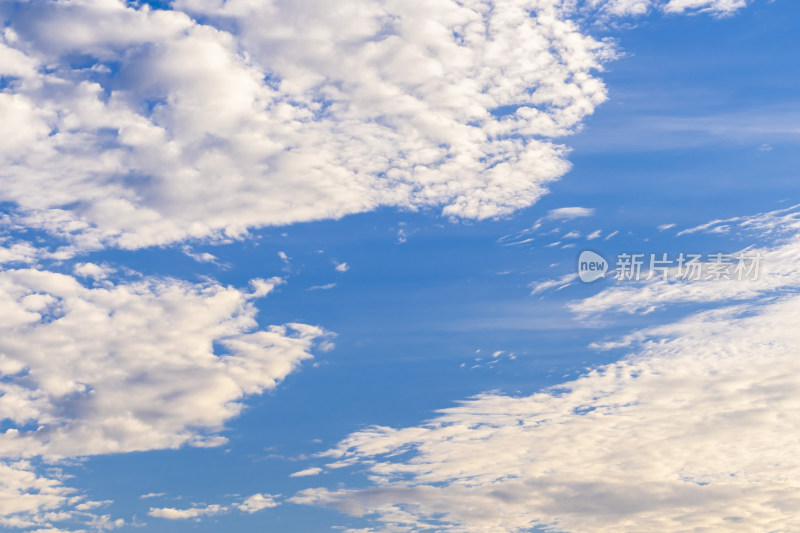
<point>591,266</point>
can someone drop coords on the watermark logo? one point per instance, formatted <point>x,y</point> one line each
<point>591,266</point>
<point>744,266</point>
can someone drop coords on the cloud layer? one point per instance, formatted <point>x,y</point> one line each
<point>695,431</point>
<point>115,134</point>
<point>297,112</point>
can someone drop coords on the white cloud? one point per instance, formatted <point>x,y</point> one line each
<point>251,504</point>
<point>170,513</point>
<point>36,502</point>
<point>298,131</point>
<point>202,257</point>
<point>133,366</point>
<point>152,495</point>
<point>569,213</point>
<point>105,523</point>
<point>562,282</point>
<point>20,252</point>
<point>342,267</point>
<point>307,472</point>
<point>92,270</point>
<point>326,287</point>
<point>23,252</point>
<point>151,364</point>
<point>411,104</point>
<point>25,496</point>
<point>723,7</point>
<point>640,7</point>
<point>694,432</point>
<point>402,237</point>
<point>257,502</point>
<point>262,287</point>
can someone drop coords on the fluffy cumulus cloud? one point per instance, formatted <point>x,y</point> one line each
<point>170,513</point>
<point>108,368</point>
<point>37,502</point>
<point>114,134</point>
<point>26,499</point>
<point>83,369</point>
<point>694,431</point>
<point>117,135</point>
<point>257,502</point>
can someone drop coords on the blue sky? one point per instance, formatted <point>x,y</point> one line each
<point>410,196</point>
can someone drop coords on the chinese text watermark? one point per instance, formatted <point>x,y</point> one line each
<point>741,266</point>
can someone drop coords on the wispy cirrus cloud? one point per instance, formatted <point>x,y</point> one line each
<point>778,268</point>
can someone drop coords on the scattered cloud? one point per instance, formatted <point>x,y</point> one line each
<point>152,495</point>
<point>721,7</point>
<point>402,237</point>
<point>257,502</point>
<point>641,7</point>
<point>36,501</point>
<point>569,213</point>
<point>184,514</point>
<point>307,472</point>
<point>92,271</point>
<point>342,267</point>
<point>262,287</point>
<point>251,504</point>
<point>105,523</point>
<point>326,287</point>
<point>202,257</point>
<point>560,283</point>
